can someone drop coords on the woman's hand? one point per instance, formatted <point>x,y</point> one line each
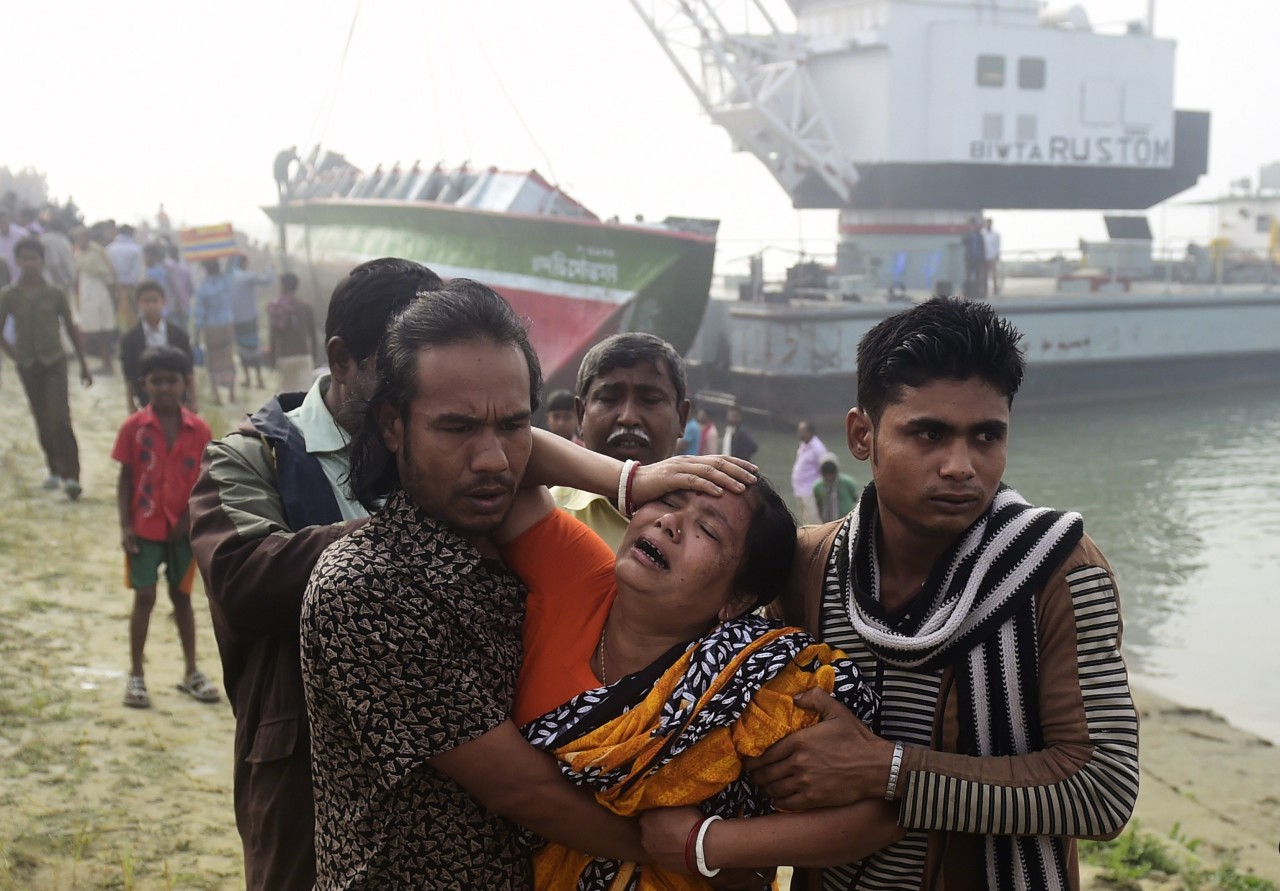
<point>711,474</point>
<point>664,832</point>
<point>836,762</point>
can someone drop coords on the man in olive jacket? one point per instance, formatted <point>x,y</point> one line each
<point>270,498</point>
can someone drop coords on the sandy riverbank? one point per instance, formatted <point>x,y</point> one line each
<point>94,795</point>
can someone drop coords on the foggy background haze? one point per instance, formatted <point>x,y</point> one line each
<point>125,106</point>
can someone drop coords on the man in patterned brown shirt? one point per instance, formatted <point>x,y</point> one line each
<point>411,625</point>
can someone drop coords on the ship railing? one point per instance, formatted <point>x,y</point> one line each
<point>869,275</point>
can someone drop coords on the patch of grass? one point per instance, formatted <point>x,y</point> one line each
<point>40,704</point>
<point>1137,855</point>
<point>1133,856</point>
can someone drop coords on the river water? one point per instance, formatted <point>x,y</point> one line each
<point>1183,496</point>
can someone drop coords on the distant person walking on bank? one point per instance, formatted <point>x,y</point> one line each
<point>836,493</point>
<point>182,287</point>
<point>991,252</point>
<point>38,309</point>
<point>738,440</point>
<point>291,341</point>
<point>709,438</point>
<point>97,279</point>
<point>975,261</point>
<point>688,444</point>
<point>127,260</point>
<point>159,450</point>
<point>244,285</point>
<point>214,330</point>
<point>807,470</point>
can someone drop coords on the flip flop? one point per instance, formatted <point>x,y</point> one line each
<point>199,687</point>
<point>135,693</point>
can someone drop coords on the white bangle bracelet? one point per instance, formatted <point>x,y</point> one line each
<point>895,767</point>
<point>624,480</point>
<point>701,855</point>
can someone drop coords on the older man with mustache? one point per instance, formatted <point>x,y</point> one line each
<point>632,405</point>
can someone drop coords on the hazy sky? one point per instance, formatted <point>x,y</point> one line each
<point>129,104</point>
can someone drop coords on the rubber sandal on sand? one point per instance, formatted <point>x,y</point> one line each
<point>72,488</point>
<point>135,693</point>
<point>199,687</point>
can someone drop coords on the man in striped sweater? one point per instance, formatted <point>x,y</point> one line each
<point>990,628</point>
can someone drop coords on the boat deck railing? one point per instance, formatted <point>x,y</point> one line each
<point>1099,268</point>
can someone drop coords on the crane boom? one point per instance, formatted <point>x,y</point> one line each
<point>755,85</point>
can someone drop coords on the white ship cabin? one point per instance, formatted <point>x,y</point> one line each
<point>996,82</point>
<point>1249,218</point>
<point>947,104</point>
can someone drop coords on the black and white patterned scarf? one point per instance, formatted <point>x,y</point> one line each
<point>725,671</point>
<point>977,614</point>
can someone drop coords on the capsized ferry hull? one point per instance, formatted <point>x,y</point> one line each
<point>575,280</point>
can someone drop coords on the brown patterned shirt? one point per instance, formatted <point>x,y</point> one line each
<point>410,646</point>
<point>37,321</point>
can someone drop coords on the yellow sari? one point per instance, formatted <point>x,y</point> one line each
<point>676,733</point>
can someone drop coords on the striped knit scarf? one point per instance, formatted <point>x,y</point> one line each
<point>978,614</point>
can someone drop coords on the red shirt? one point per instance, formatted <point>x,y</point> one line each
<point>162,478</point>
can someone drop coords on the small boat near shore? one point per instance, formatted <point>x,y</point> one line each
<point>575,277</point>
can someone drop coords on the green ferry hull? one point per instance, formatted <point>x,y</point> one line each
<point>575,280</point>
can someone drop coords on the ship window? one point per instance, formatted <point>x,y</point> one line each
<point>991,71</point>
<point>1027,128</point>
<point>993,127</point>
<point>1263,222</point>
<point>1031,73</point>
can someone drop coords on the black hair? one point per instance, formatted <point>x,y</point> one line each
<point>462,311</point>
<point>373,292</point>
<point>626,351</point>
<point>560,400</point>
<point>164,358</point>
<point>770,545</point>
<point>211,267</point>
<point>152,253</point>
<point>126,229</point>
<point>149,284</point>
<point>29,243</point>
<point>945,338</point>
<point>289,282</point>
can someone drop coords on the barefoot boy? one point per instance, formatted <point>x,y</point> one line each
<point>159,452</point>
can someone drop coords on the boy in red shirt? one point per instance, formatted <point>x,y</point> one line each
<point>159,451</point>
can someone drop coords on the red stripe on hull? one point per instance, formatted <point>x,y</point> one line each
<point>563,328</point>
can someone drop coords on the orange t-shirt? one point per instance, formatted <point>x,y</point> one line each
<point>569,573</point>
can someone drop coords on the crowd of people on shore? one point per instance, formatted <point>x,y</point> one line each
<point>70,289</point>
<point>463,651</point>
